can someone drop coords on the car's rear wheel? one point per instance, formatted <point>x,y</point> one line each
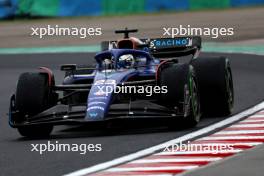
<point>182,93</point>
<point>33,95</point>
<point>216,85</point>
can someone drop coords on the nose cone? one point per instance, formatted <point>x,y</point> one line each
<point>99,101</point>
<point>101,93</point>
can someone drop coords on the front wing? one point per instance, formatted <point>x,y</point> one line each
<point>74,114</point>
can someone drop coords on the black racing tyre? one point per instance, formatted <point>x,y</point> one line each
<point>104,45</point>
<point>33,95</point>
<point>182,93</point>
<point>215,81</point>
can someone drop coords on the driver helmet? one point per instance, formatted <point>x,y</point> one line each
<point>126,61</point>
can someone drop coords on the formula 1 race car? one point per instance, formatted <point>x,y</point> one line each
<point>133,79</point>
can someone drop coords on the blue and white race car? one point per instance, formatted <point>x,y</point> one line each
<point>133,79</point>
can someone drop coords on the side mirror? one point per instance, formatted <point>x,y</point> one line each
<point>68,67</point>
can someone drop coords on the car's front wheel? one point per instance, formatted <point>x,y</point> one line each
<point>33,95</point>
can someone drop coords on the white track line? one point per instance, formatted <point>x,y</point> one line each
<point>156,148</point>
<point>176,160</point>
<point>158,168</point>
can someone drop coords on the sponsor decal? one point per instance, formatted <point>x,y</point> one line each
<point>93,114</point>
<point>163,43</point>
<point>96,103</point>
<point>100,93</point>
<point>95,107</point>
<point>105,81</point>
<point>98,98</point>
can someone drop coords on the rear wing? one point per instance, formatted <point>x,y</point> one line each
<point>174,47</point>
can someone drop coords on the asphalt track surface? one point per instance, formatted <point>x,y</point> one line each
<point>17,159</point>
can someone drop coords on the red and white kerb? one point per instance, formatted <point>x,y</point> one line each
<point>241,136</point>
